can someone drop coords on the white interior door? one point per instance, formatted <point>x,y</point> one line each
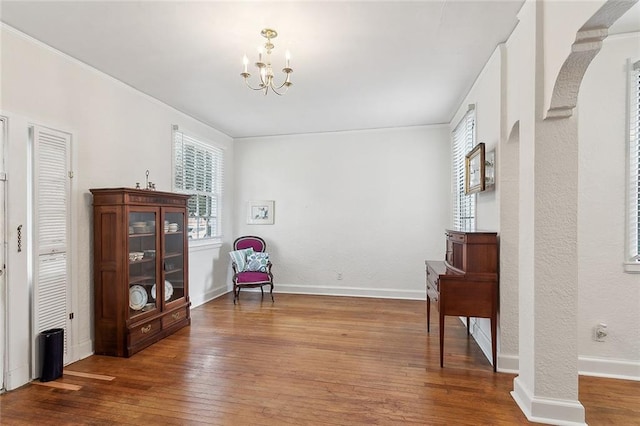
<point>51,207</point>
<point>3,248</point>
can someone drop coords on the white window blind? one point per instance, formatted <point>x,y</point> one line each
<point>634,164</point>
<point>464,206</point>
<point>51,154</point>
<point>198,171</point>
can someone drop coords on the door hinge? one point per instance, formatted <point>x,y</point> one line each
<point>71,316</point>
<point>70,174</point>
<point>3,176</point>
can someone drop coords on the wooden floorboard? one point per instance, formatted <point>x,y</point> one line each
<point>303,360</point>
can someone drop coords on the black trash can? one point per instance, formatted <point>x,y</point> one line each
<point>52,344</point>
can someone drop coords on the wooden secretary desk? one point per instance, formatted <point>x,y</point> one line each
<point>466,283</point>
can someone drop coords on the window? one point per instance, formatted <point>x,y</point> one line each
<point>464,206</point>
<point>633,182</point>
<point>198,170</point>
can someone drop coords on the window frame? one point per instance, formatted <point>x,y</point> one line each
<point>632,249</point>
<point>463,140</point>
<point>180,139</point>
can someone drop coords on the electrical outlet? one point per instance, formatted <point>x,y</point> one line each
<point>600,332</point>
<point>339,276</point>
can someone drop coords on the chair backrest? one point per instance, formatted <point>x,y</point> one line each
<point>245,242</point>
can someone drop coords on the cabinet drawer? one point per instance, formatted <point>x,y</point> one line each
<point>144,331</point>
<point>173,317</point>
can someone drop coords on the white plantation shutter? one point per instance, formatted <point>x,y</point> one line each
<point>198,171</point>
<point>51,159</point>
<point>464,206</point>
<point>634,163</point>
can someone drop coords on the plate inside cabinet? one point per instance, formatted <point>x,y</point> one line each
<point>168,291</point>
<point>137,297</point>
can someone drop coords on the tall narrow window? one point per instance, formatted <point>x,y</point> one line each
<point>633,182</point>
<point>464,206</point>
<point>198,170</point>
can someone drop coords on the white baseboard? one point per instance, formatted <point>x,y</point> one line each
<point>208,296</point>
<point>483,340</point>
<point>508,363</point>
<point>607,367</point>
<point>351,291</point>
<point>17,377</point>
<point>547,410</point>
<point>83,350</point>
<point>587,366</point>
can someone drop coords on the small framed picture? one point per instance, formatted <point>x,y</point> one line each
<point>474,178</point>
<point>260,212</point>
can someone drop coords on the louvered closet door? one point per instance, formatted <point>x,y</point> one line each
<point>3,259</point>
<point>51,154</point>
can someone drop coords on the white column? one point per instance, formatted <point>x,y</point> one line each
<point>559,42</point>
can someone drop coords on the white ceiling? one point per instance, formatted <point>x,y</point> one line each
<point>357,65</point>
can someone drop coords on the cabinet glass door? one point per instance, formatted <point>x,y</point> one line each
<point>142,262</point>
<point>174,262</point>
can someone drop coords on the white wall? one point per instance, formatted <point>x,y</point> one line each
<point>370,205</point>
<point>486,95</point>
<point>607,294</point>
<point>118,133</point>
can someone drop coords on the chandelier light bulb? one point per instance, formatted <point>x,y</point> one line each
<point>266,76</point>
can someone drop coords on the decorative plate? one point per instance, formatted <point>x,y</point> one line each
<point>137,297</point>
<point>168,291</point>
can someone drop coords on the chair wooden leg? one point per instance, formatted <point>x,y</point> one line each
<point>271,293</point>
<point>234,293</point>
<point>261,292</point>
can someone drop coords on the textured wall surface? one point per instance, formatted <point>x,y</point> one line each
<point>118,133</point>
<point>509,255</point>
<point>369,205</point>
<point>485,95</point>
<point>607,294</point>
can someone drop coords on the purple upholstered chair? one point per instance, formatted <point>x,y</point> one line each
<point>249,279</point>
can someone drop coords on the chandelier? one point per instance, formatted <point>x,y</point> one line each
<point>265,70</point>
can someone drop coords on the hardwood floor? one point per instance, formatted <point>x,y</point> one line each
<point>304,360</point>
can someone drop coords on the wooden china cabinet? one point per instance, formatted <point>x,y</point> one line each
<point>140,268</point>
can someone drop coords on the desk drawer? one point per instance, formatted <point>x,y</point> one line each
<point>433,284</point>
<point>432,293</point>
<point>433,280</point>
<point>455,236</point>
